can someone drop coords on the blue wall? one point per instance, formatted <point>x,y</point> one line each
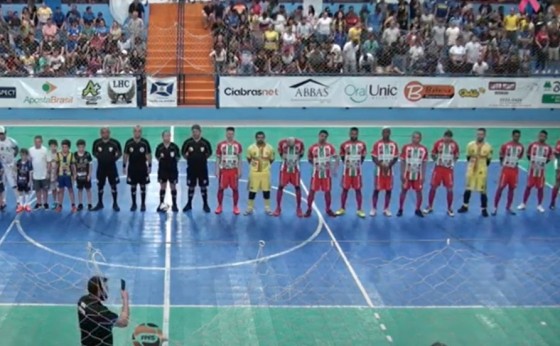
<point>284,115</point>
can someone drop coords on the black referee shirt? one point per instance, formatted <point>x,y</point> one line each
<point>96,322</point>
<point>197,152</point>
<point>168,156</point>
<point>137,151</point>
<point>106,152</point>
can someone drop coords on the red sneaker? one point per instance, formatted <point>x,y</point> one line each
<point>299,212</point>
<point>27,208</point>
<point>74,209</point>
<point>236,210</point>
<point>58,209</point>
<point>277,212</point>
<point>19,208</point>
<point>218,210</point>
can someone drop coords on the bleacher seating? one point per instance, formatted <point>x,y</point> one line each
<point>79,38</point>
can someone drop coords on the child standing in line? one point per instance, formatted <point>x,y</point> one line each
<point>53,172</point>
<point>23,168</point>
<point>66,174</point>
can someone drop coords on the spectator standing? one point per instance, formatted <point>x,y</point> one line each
<point>511,25</point>
<point>135,26</point>
<point>89,16</point>
<point>44,12</point>
<point>323,27</point>
<point>391,34</point>
<point>74,15</point>
<point>350,54</point>
<point>136,6</point>
<point>541,46</point>
<point>472,50</point>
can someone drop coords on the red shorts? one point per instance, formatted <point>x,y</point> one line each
<point>442,176</point>
<point>508,177</point>
<point>229,179</point>
<point>415,185</point>
<point>352,182</point>
<point>321,184</point>
<point>287,178</point>
<point>536,182</point>
<point>384,182</point>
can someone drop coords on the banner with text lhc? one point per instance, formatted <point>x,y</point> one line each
<point>97,92</point>
<point>387,92</point>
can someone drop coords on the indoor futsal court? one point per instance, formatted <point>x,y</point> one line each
<point>259,280</point>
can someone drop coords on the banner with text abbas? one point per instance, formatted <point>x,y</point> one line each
<point>386,92</point>
<point>161,92</point>
<point>109,92</point>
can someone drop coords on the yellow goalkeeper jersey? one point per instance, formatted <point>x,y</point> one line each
<point>261,158</point>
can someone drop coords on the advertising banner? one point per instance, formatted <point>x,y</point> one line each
<point>97,92</point>
<point>389,92</point>
<point>161,92</point>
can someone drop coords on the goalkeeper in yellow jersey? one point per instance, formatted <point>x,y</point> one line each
<point>479,156</point>
<point>260,156</point>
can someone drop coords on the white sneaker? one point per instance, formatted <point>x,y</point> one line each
<point>387,213</point>
<point>540,209</point>
<point>522,206</point>
<point>372,212</point>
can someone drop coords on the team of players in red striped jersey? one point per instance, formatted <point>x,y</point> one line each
<point>413,157</point>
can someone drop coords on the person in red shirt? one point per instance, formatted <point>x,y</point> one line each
<point>322,156</point>
<point>510,154</point>
<point>413,170</point>
<point>352,154</point>
<point>228,169</point>
<point>444,153</point>
<point>291,151</point>
<point>556,187</point>
<point>385,153</point>
<point>539,153</point>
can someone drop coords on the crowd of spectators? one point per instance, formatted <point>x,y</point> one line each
<point>43,41</point>
<point>431,37</point>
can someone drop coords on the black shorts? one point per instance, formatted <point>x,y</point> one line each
<point>23,188</point>
<point>168,175</point>
<point>137,175</point>
<point>197,177</point>
<point>107,173</point>
<point>83,184</point>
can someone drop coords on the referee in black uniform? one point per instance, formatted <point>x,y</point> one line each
<point>96,321</point>
<point>137,165</point>
<point>107,151</point>
<point>196,150</point>
<point>168,155</point>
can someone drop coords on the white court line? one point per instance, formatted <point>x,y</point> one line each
<point>357,307</point>
<point>311,238</point>
<point>167,271</point>
<point>8,230</point>
<point>349,265</point>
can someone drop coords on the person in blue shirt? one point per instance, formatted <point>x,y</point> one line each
<point>58,17</point>
<point>375,20</point>
<point>89,16</point>
<point>73,14</point>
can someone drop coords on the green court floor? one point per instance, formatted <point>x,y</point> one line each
<point>57,325</point>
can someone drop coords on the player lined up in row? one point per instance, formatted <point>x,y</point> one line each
<point>45,170</point>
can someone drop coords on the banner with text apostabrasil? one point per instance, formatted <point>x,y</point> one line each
<point>161,92</point>
<point>387,92</point>
<point>96,92</point>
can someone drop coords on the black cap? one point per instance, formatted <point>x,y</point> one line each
<point>96,284</point>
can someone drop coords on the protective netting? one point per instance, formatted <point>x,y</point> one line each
<point>296,297</point>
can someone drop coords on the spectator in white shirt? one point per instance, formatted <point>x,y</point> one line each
<point>480,67</point>
<point>219,55</point>
<point>473,50</point>
<point>438,33</point>
<point>40,162</point>
<point>323,27</point>
<point>457,52</point>
<point>391,34</point>
<point>304,29</point>
<point>415,52</point>
<point>124,43</point>
<point>336,51</point>
<point>279,23</point>
<point>452,33</point>
<point>349,54</point>
<point>289,39</point>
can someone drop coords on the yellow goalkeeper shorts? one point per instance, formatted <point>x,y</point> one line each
<point>259,182</point>
<point>477,182</point>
